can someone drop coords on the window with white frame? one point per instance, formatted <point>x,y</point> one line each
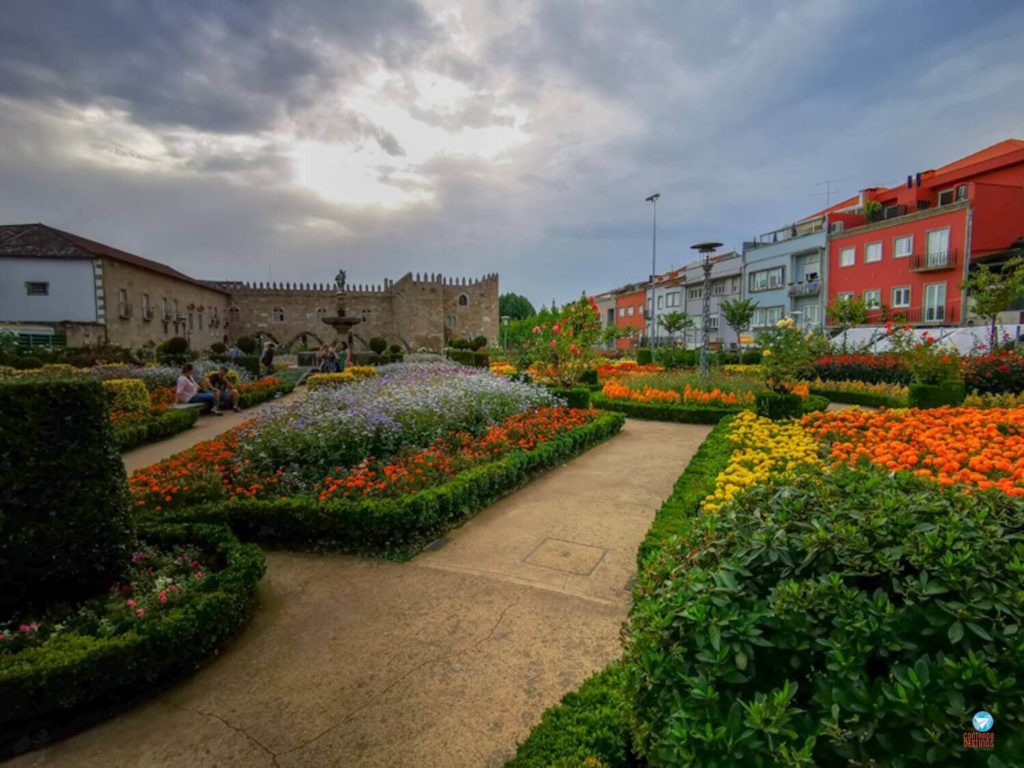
<point>767,316</point>
<point>946,197</point>
<point>697,292</point>
<point>810,314</point>
<point>872,252</point>
<point>935,302</point>
<point>902,246</point>
<point>901,296</point>
<point>734,285</point>
<point>622,311</point>
<point>631,310</point>
<point>672,299</point>
<point>844,296</point>
<point>661,302</point>
<point>719,287</point>
<point>767,279</point>
<point>713,323</point>
<point>847,257</point>
<point>873,298</point>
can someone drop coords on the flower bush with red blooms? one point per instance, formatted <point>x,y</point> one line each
<point>414,471</point>
<point>1000,373</point>
<point>567,345</point>
<point>154,580</point>
<point>926,360</point>
<point>874,369</point>
<point>261,386</point>
<point>207,471</point>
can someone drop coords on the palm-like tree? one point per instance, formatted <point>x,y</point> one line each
<point>738,314</point>
<point>674,322</point>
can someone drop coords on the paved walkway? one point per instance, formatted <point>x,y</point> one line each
<point>443,662</point>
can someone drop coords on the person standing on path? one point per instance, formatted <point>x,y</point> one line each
<point>267,360</point>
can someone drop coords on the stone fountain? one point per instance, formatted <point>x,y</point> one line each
<point>342,323</point>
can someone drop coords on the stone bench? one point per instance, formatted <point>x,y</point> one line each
<point>180,406</point>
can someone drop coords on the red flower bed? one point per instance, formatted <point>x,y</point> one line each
<point>998,373</point>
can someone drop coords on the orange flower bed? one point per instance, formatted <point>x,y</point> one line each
<point>616,391</point>
<point>973,447</point>
<point>628,368</point>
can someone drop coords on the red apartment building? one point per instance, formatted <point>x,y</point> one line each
<point>909,260</point>
<point>630,304</point>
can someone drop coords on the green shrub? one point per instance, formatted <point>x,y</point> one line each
<point>588,724</point>
<point>458,342</point>
<point>589,377</point>
<point>750,357</point>
<point>396,527</point>
<point>936,395</point>
<point>27,362</point>
<point>73,680</point>
<point>644,356</point>
<point>378,345</point>
<point>128,395</point>
<point>462,356</point>
<point>155,428</point>
<point>218,348</point>
<point>251,363</point>
<point>247,344</point>
<point>396,350</point>
<point>836,619</point>
<point>682,414</point>
<point>813,403</point>
<point>174,350</point>
<point>481,360</point>
<point>672,357</point>
<point>478,343</point>
<point>64,527</point>
<point>577,397</point>
<point>774,405</point>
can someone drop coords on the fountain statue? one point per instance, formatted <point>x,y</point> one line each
<point>342,323</point>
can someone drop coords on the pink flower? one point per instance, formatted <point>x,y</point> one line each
<point>556,328</point>
<point>199,574</point>
<point>163,596</point>
<point>140,612</point>
<point>137,557</point>
<point>174,587</point>
<point>536,329</point>
<point>553,344</point>
<point>130,603</point>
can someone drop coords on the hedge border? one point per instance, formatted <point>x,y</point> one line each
<point>251,399</point>
<point>155,428</point>
<point>396,528</point>
<point>50,692</point>
<point>869,399</point>
<point>592,721</point>
<point>680,414</point>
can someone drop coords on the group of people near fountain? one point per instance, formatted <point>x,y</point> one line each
<point>331,360</point>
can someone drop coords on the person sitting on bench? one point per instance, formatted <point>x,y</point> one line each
<point>187,391</point>
<point>227,396</point>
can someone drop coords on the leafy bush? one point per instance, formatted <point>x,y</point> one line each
<point>462,356</point>
<point>481,360</point>
<point>750,357</point>
<point>478,342</point>
<point>156,427</point>
<point>250,364</point>
<point>776,405</point>
<point>26,362</point>
<point>854,617</point>
<point>589,377</point>
<point>378,344</point>
<point>936,395</point>
<point>644,356</point>
<point>995,374</point>
<point>672,357</point>
<point>458,342</point>
<point>64,527</point>
<point>174,350</point>
<point>396,349</point>
<point>73,679</point>
<point>247,344</point>
<point>683,414</point>
<point>874,369</point>
<point>588,725</point>
<point>128,395</point>
<point>218,348</point>
<point>576,397</point>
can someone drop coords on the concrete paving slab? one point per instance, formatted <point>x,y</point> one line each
<point>445,661</point>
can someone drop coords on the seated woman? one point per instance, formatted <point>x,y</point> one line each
<point>225,394</point>
<point>187,391</point>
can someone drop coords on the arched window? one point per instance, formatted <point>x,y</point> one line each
<point>321,313</point>
<point>278,314</point>
<point>463,300</point>
<point>365,315</point>
<point>233,314</point>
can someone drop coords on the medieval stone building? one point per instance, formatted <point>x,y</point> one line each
<point>80,292</point>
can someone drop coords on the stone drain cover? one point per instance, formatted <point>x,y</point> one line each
<point>567,556</point>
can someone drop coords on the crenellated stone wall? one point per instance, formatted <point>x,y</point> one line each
<point>417,311</point>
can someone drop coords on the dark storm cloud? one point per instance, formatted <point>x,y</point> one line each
<point>229,66</point>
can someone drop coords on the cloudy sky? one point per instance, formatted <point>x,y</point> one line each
<point>287,138</point>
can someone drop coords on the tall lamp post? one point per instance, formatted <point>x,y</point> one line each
<point>706,250</point>
<point>653,199</point>
<point>505,319</point>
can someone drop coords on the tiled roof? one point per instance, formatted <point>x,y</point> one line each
<point>1004,147</point>
<point>42,241</point>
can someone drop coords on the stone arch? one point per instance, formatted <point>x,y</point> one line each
<point>299,337</point>
<point>463,300</point>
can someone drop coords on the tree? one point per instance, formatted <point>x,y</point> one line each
<point>674,322</point>
<point>844,314</point>
<point>992,291</point>
<point>515,306</point>
<point>739,314</point>
<point>566,345</point>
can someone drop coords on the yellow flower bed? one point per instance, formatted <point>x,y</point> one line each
<point>988,400</point>
<point>354,373</point>
<point>892,390</point>
<point>743,368</point>
<point>763,448</point>
<point>128,395</point>
<point>503,368</point>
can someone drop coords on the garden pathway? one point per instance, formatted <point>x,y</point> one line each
<point>442,662</point>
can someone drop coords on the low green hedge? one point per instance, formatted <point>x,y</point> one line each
<point>255,397</point>
<point>158,427</point>
<point>854,617</point>
<point>870,399</point>
<point>814,403</point>
<point>682,414</point>
<point>399,527</point>
<point>73,680</point>
<point>589,724</point>
<point>576,397</point>
<point>950,393</point>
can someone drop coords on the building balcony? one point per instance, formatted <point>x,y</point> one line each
<point>790,232</point>
<point>807,288</point>
<point>941,314</point>
<point>934,261</point>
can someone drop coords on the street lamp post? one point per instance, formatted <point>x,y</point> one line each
<point>504,325</point>
<point>653,199</point>
<point>706,250</point>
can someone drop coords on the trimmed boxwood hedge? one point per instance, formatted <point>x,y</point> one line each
<point>870,399</point>
<point>593,721</point>
<point>253,397</point>
<point>576,397</point>
<point>399,527</point>
<point>52,690</point>
<point>65,528</point>
<point>158,427</point>
<point>683,414</point>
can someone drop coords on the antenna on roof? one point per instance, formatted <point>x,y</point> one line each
<point>827,183</point>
